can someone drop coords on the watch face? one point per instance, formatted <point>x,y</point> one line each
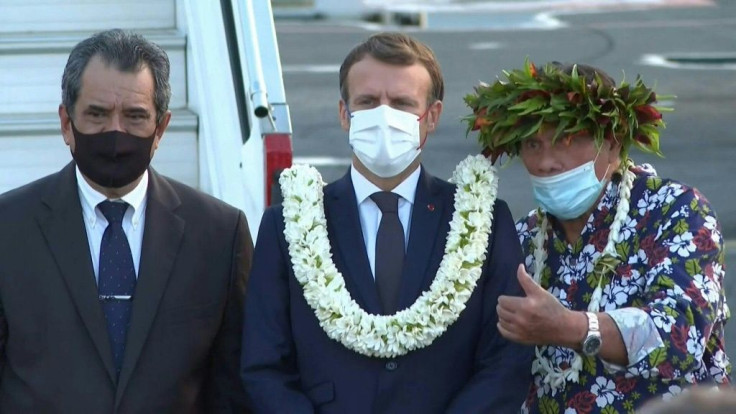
<point>592,345</point>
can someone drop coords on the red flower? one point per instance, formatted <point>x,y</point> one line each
<point>600,239</point>
<point>696,295</point>
<point>646,114</point>
<point>679,337</point>
<point>703,240</point>
<point>601,217</point>
<point>643,139</point>
<point>708,272</point>
<point>582,402</point>
<point>643,222</point>
<point>533,70</point>
<point>480,119</point>
<point>624,385</point>
<point>625,271</point>
<point>655,253</point>
<point>574,98</point>
<point>572,290</point>
<point>493,153</point>
<point>532,94</point>
<point>666,370</point>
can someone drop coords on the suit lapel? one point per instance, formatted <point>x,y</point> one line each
<point>426,218</point>
<point>66,237</point>
<point>343,223</point>
<point>162,237</point>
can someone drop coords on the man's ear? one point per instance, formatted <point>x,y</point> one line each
<point>161,128</point>
<point>433,115</point>
<point>344,115</point>
<point>65,121</point>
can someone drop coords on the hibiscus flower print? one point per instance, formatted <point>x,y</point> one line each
<point>662,320</point>
<point>567,271</point>
<point>628,229</point>
<point>708,288</point>
<point>646,202</point>
<point>605,391</point>
<point>695,343</point>
<point>522,229</point>
<point>587,259</point>
<point>682,244</point>
<point>615,296</point>
<point>710,223</point>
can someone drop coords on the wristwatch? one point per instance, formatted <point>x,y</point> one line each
<point>592,342</point>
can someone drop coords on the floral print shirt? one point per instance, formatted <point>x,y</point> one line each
<point>666,297</point>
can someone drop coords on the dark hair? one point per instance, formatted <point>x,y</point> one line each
<point>128,52</point>
<point>588,72</point>
<point>395,49</point>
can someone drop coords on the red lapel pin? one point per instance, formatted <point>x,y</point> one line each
<point>430,207</point>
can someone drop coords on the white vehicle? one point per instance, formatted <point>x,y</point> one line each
<point>230,132</point>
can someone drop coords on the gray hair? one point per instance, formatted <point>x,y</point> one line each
<point>126,51</point>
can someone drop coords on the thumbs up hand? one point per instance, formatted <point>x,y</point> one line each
<point>538,318</point>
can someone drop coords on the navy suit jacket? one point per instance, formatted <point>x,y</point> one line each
<point>290,365</point>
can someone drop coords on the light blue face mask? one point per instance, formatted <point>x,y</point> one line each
<point>570,194</point>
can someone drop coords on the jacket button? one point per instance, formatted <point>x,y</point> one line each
<point>391,365</point>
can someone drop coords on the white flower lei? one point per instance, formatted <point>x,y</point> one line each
<point>603,264</point>
<point>388,336</point>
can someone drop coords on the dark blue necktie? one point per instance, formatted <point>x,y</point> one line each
<point>116,279</point>
<point>389,250</point>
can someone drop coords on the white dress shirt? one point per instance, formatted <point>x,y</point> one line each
<point>95,222</point>
<point>370,214</point>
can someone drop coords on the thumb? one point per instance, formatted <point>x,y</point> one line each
<point>525,280</point>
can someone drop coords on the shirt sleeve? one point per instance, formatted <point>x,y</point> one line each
<point>678,253</point>
<point>639,333</point>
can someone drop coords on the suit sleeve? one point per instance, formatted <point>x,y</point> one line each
<point>226,394</point>
<point>502,368</point>
<point>3,338</point>
<point>268,367</point>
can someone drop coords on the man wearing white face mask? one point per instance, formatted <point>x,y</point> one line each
<point>365,317</point>
<point>624,290</point>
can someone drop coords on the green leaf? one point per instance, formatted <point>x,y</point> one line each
<point>609,410</point>
<point>559,246</point>
<point>657,356</point>
<point>693,267</point>
<point>623,249</point>
<point>654,183</point>
<point>578,246</point>
<point>681,227</point>
<point>589,364</point>
<point>548,406</point>
<point>665,282</point>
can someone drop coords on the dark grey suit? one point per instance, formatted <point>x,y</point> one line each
<point>183,343</point>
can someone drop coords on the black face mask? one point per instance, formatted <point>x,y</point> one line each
<point>112,159</point>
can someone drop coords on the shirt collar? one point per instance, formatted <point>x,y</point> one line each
<point>90,198</point>
<point>363,188</point>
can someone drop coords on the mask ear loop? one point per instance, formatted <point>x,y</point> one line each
<point>424,141</point>
<point>608,167</point>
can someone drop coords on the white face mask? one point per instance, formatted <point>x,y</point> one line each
<point>384,139</point>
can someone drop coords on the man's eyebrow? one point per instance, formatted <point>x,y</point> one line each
<point>98,108</point>
<point>137,110</point>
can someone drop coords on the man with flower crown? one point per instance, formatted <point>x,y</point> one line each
<point>623,273</point>
<point>378,292</point>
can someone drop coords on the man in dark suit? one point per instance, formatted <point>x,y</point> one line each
<point>387,224</point>
<point>120,290</point>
